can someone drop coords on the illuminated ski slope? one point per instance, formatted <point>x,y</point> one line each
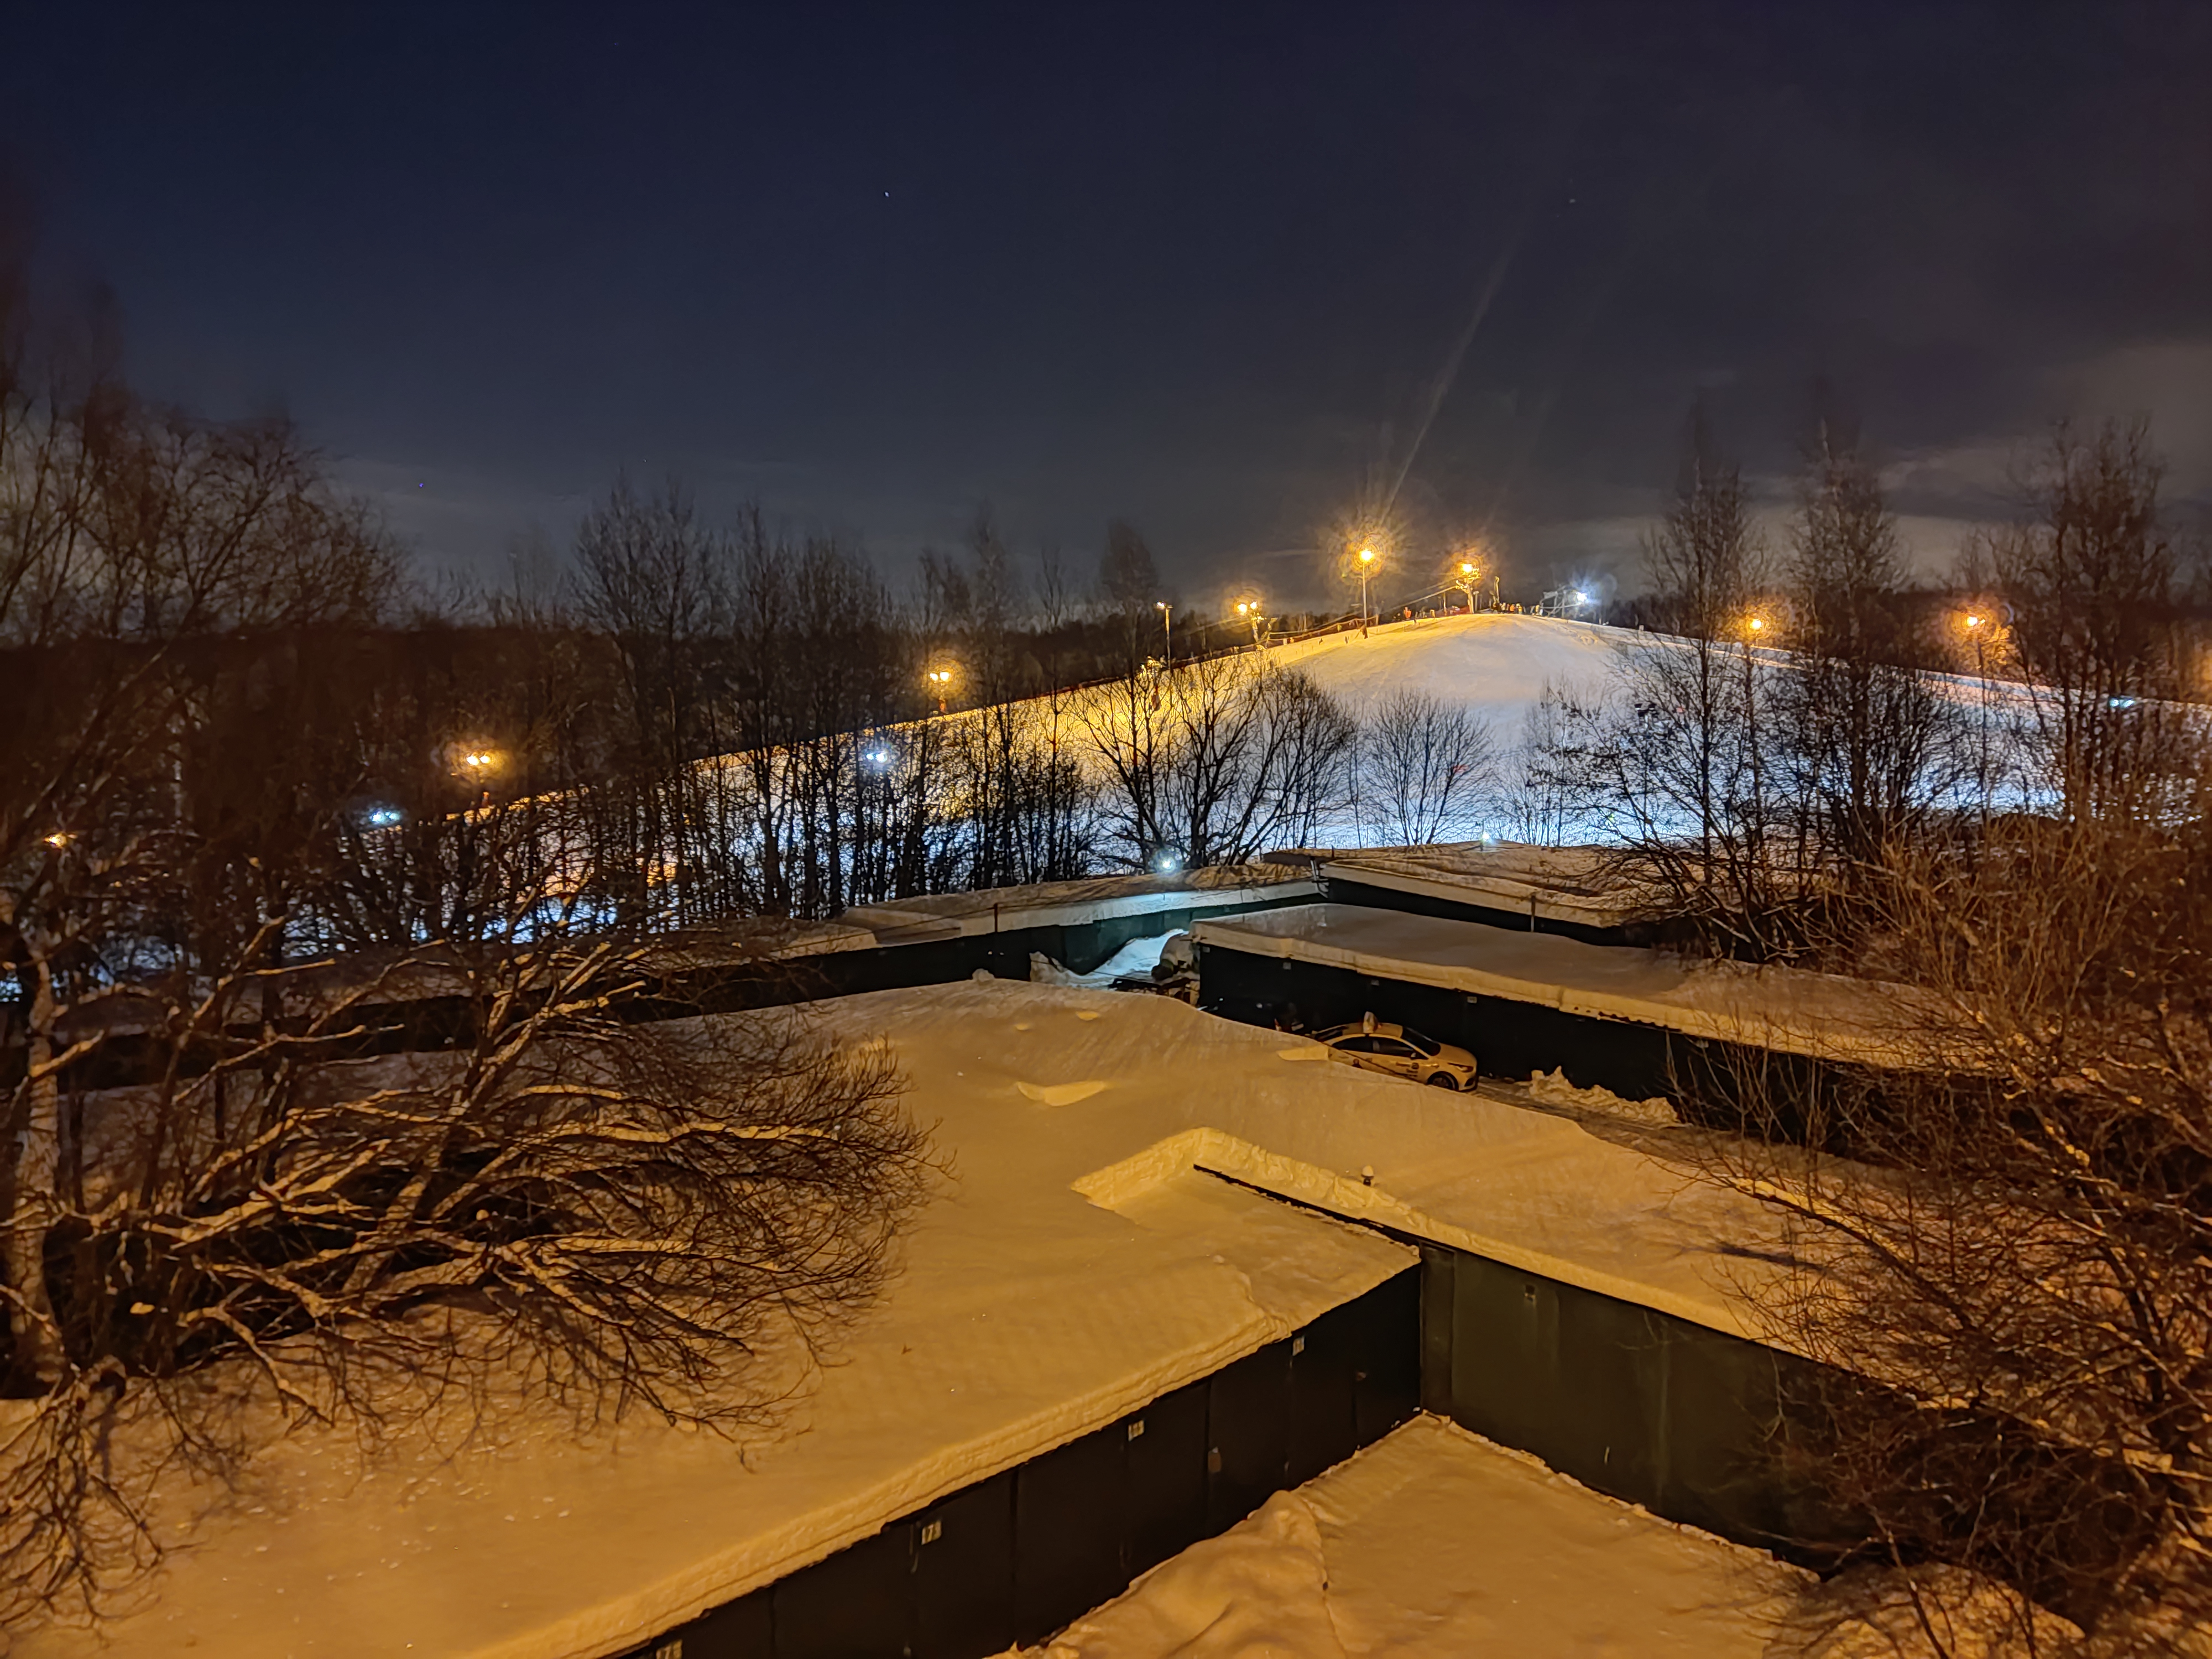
<point>1498,666</point>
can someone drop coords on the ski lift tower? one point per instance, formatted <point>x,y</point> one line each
<point>1565,602</point>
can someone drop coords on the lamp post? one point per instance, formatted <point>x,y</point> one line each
<point>476,765</point>
<point>941,680</point>
<point>1978,632</point>
<point>1467,577</point>
<point>1167,627</point>
<point>1366,567</point>
<point>1249,610</point>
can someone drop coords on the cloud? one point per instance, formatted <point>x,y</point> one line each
<point>2169,381</point>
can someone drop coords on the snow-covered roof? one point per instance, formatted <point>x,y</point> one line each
<point>1434,1540</point>
<point>1822,1015</point>
<point>1556,883</point>
<point>1072,1268</point>
<point>1065,904</point>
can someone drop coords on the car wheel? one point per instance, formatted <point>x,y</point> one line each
<point>1444,1080</point>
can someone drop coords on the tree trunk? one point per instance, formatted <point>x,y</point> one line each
<point>32,1210</point>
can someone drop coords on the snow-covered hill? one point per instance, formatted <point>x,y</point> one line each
<point>1495,665</point>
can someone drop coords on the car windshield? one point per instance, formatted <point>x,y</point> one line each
<point>1425,1044</point>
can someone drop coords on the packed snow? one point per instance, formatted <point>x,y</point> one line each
<point>1493,664</point>
<point>1134,960</point>
<point>1499,664</point>
<point>1028,1312</point>
<point>1554,1089</point>
<point>1436,1542</point>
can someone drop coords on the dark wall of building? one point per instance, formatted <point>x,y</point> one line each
<point>1014,1558</point>
<point>1722,1085</point>
<point>1695,1425</point>
<point>1343,890</point>
<point>1507,1039</point>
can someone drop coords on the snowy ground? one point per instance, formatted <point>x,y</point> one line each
<point>1499,664</point>
<point>1435,1541</point>
<point>1029,1312</point>
<point>1134,960</point>
<point>1495,665</point>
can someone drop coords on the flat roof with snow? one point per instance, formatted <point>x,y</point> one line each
<point>1070,1267</point>
<point>1066,903</point>
<point>1552,884</point>
<point>1434,1540</point>
<point>1821,1015</point>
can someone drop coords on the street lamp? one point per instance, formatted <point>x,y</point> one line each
<point>941,680</point>
<point>1466,582</point>
<point>1167,627</point>
<point>1979,635</point>
<point>1366,566</point>
<point>1249,610</point>
<point>477,765</point>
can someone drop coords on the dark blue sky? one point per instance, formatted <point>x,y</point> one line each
<point>1203,267</point>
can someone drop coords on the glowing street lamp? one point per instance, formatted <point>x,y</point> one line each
<point>940,681</point>
<point>1366,569</point>
<point>477,765</point>
<point>1756,624</point>
<point>1466,583</point>
<point>1167,627</point>
<point>1978,632</point>
<point>1251,611</point>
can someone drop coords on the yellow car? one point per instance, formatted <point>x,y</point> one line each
<point>1375,1045</point>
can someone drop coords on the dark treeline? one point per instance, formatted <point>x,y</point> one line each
<point>690,722</point>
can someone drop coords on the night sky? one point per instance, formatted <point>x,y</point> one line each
<point>1207,267</point>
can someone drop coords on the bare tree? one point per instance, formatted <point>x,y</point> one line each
<point>2022,1253</point>
<point>1212,762</point>
<point>568,1207</point>
<point>2088,572</point>
<point>1705,556</point>
<point>1427,767</point>
<point>230,766</point>
<point>1554,793</point>
<point>2029,1268</point>
<point>1684,772</point>
<point>1867,732</point>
